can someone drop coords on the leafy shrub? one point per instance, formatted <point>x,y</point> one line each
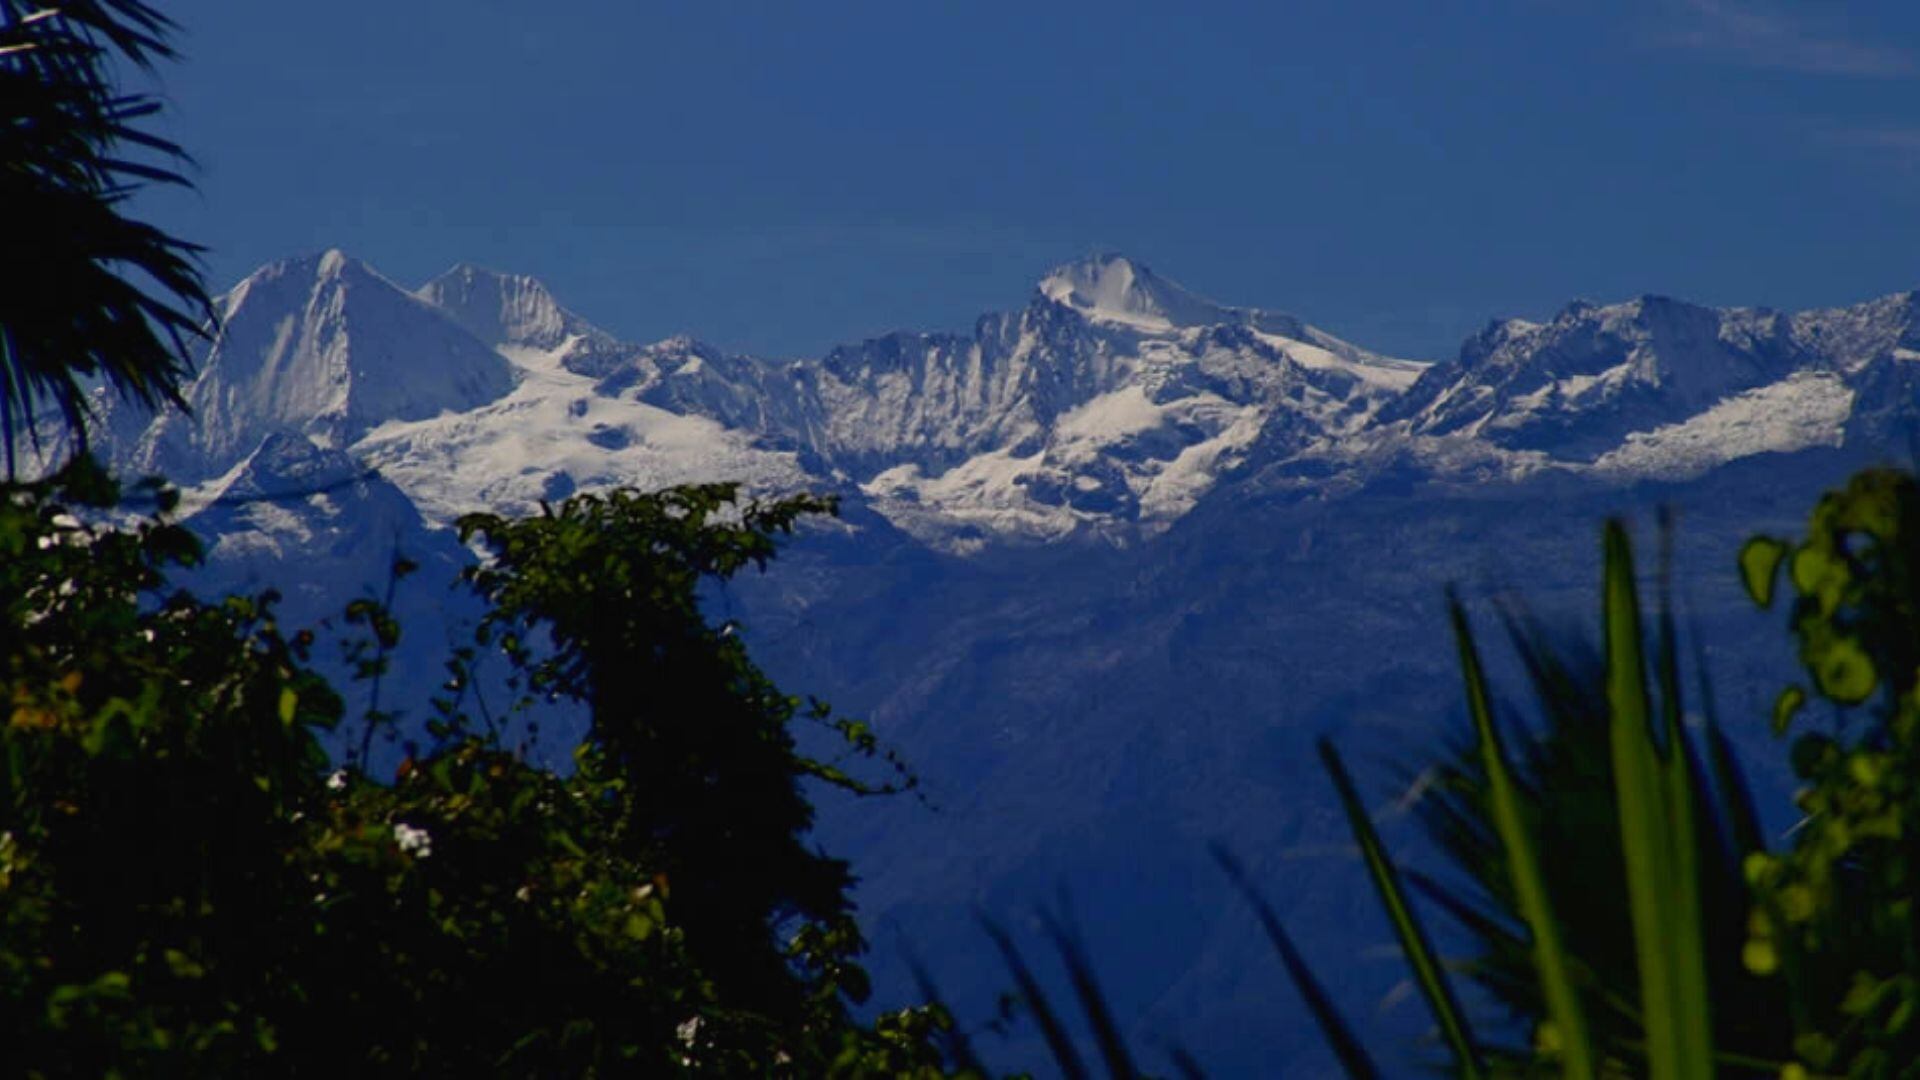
<point>1833,920</point>
<point>1611,870</point>
<point>188,886</point>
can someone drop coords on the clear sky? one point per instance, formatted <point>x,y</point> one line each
<point>778,177</point>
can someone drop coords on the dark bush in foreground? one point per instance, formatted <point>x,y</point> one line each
<point>189,887</point>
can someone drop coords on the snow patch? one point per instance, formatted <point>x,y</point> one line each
<point>1804,410</point>
<point>504,455</point>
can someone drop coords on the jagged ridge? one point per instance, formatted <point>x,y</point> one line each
<point>1111,403</point>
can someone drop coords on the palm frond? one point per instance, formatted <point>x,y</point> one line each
<point>1655,803</point>
<point>1552,963</point>
<point>99,295</point>
<point>953,1041</point>
<point>1428,972</point>
<point>1059,1042</point>
<point>1564,773</point>
<point>1347,1047</point>
<point>1093,1002</point>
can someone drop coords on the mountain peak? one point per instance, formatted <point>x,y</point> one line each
<point>332,263</point>
<point>314,266</point>
<point>314,270</point>
<point>1113,288</point>
<point>325,347</point>
<point>467,271</point>
<point>467,277</point>
<point>1103,276</point>
<point>503,309</point>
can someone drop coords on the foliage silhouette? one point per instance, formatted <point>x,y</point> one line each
<point>696,735</point>
<point>108,296</point>
<point>186,888</point>
<point>1833,924</point>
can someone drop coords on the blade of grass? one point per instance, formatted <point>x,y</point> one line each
<point>1654,802</point>
<point>1058,1041</point>
<point>1490,931</point>
<point>1529,885</point>
<point>956,1044</point>
<point>1353,1057</point>
<point>1427,970</point>
<point>1729,779</point>
<point>1686,914</point>
<point>1684,779</point>
<point>1106,1034</point>
<point>1497,937</point>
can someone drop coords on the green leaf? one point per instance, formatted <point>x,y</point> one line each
<point>1810,567</point>
<point>1736,795</point>
<point>1654,798</point>
<point>1346,1046</point>
<point>1058,1041</point>
<point>1759,567</point>
<point>1427,970</point>
<point>1845,671</point>
<point>183,966</point>
<point>1106,1032</point>
<point>1790,702</point>
<point>1551,961</point>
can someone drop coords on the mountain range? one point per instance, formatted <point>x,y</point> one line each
<point>1106,563</point>
<point>1107,406</point>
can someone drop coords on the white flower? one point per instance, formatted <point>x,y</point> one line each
<point>688,1031</point>
<point>338,781</point>
<point>415,842</point>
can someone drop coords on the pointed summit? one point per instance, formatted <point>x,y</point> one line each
<point>503,309</point>
<point>326,347</point>
<point>309,271</point>
<point>1114,288</point>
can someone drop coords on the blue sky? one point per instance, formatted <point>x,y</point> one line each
<point>779,177</point>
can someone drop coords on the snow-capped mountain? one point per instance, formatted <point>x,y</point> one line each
<point>518,316</point>
<point>1272,514</point>
<point>325,347</point>
<point>558,431</point>
<point>1852,338</point>
<point>1110,403</point>
<point>1108,406</point>
<point>1578,385</point>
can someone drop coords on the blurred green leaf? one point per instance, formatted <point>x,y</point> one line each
<point>1656,812</point>
<point>1428,973</point>
<point>1347,1047</point>
<point>1556,970</point>
<point>1760,562</point>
